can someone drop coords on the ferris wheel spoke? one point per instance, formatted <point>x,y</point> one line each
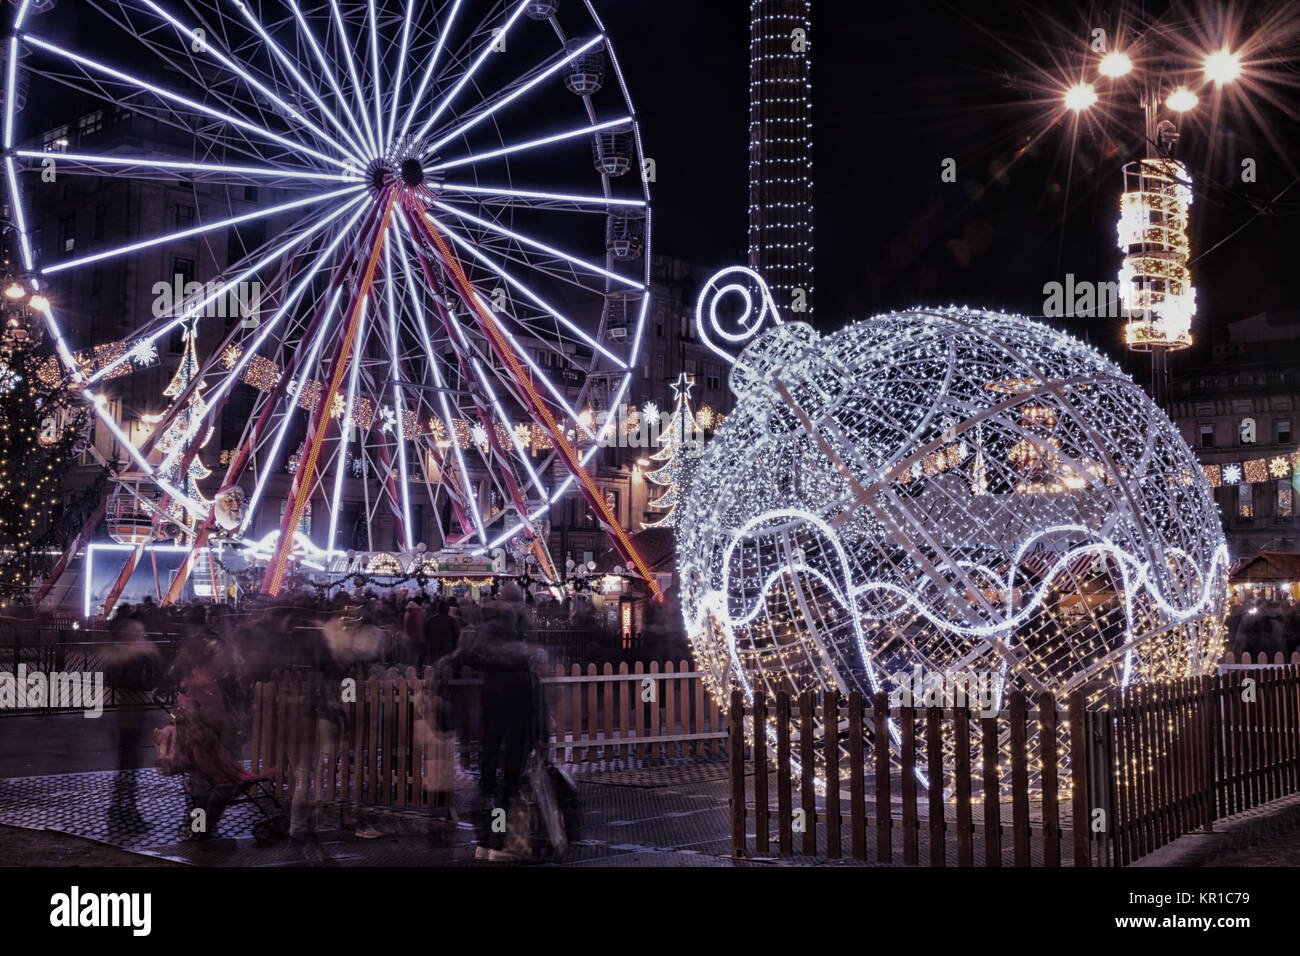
<point>358,97</point>
<point>401,68</point>
<point>517,89</point>
<point>288,65</point>
<point>197,306</point>
<point>178,496</point>
<point>524,147</point>
<point>439,383</point>
<point>443,33</point>
<point>568,202</point>
<point>86,63</point>
<point>93,165</point>
<point>269,327</point>
<point>243,72</point>
<point>520,451</point>
<point>376,79</point>
<point>197,230</point>
<point>590,267</point>
<point>483,312</point>
<point>340,466</point>
<point>498,36</point>
<point>290,399</point>
<point>532,296</point>
<point>327,71</point>
<point>400,427</point>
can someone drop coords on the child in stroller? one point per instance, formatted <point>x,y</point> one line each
<point>195,745</point>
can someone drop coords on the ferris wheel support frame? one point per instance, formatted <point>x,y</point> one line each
<point>240,459</point>
<point>300,490</point>
<point>418,220</point>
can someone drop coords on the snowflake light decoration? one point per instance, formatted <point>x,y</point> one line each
<point>480,436</point>
<point>846,537</point>
<point>144,354</point>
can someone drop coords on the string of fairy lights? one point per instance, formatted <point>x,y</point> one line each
<point>781,241</point>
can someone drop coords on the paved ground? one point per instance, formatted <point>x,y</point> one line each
<point>633,815</point>
<point>1265,836</point>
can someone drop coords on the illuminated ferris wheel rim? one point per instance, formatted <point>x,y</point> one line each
<point>354,166</point>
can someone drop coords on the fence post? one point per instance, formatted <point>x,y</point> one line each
<point>1079,768</point>
<point>784,825</point>
<point>884,811</point>
<point>961,785</point>
<point>1205,767</point>
<point>1108,785</point>
<point>1047,757</point>
<point>1019,781</point>
<point>934,784</point>
<point>761,825</point>
<point>807,764</point>
<point>831,751</point>
<point>907,750</point>
<point>736,744</point>
<point>857,757</point>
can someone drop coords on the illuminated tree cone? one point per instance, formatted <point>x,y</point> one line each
<point>429,206</point>
<point>680,443</point>
<point>186,430</point>
<point>967,491</point>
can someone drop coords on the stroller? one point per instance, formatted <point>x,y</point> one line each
<point>214,780</point>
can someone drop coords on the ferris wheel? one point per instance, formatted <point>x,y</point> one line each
<point>440,212</point>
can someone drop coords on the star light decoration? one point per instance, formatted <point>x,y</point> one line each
<point>955,489</point>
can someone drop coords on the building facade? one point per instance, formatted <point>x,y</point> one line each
<point>1240,412</point>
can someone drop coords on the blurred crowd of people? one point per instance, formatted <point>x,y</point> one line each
<point>203,660</point>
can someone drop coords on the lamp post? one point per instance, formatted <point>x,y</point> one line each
<point>1155,283</point>
<point>17,300</point>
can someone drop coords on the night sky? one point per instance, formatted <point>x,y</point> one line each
<point>898,87</point>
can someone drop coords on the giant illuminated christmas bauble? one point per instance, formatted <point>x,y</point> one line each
<point>959,490</point>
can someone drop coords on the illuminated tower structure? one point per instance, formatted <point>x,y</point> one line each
<point>780,152</point>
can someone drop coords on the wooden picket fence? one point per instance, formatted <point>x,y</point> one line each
<point>1107,786</point>
<point>405,733</point>
<point>1188,753</point>
<point>885,771</point>
<point>1260,660</point>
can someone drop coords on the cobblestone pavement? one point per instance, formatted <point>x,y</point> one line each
<point>633,815</point>
<point>1265,836</point>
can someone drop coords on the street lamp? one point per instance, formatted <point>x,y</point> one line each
<point>1080,96</point>
<point>1115,64</point>
<point>1222,66</point>
<point>1155,282</point>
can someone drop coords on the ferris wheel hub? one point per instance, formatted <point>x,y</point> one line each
<point>402,166</point>
<point>412,172</point>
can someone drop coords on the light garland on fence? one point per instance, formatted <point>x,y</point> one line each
<point>950,488</point>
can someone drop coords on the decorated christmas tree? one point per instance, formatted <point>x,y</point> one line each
<point>42,429</point>
<point>183,432</point>
<point>681,441</point>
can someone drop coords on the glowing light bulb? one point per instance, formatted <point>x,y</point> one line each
<point>1222,66</point>
<point>1181,100</point>
<point>1114,64</point>
<point>1080,96</point>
